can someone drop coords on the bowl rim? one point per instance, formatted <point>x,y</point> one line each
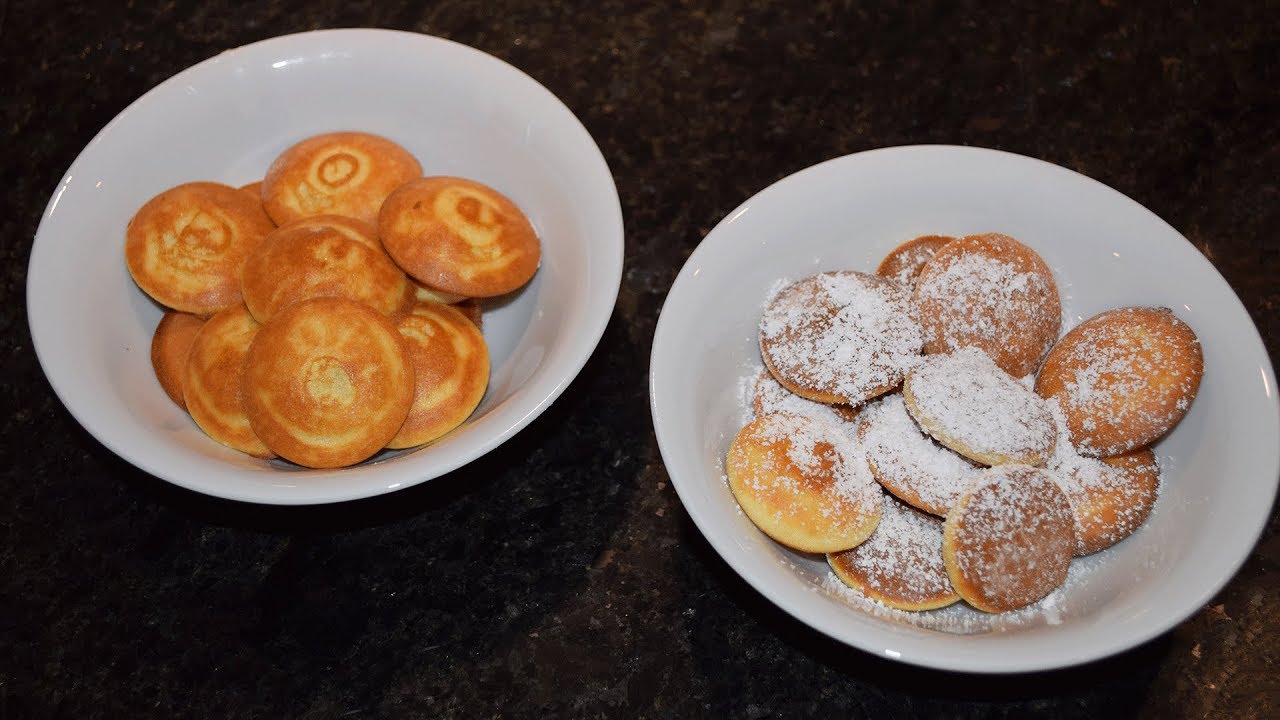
<point>607,273</point>
<point>685,478</point>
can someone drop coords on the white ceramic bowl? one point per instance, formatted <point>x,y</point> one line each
<point>460,111</point>
<point>1221,463</point>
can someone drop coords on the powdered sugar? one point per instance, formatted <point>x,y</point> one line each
<point>901,562</point>
<point>907,462</point>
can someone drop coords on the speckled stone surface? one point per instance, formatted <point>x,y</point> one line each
<point>560,576</point>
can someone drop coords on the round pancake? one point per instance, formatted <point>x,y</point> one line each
<point>769,396</point>
<point>1123,378</point>
<point>339,173</point>
<point>450,369</point>
<point>459,236</point>
<point>358,230</point>
<point>1110,497</point>
<point>900,565</point>
<point>328,382</point>
<point>839,337</point>
<point>907,462</point>
<point>905,262</point>
<point>169,347</point>
<point>992,292</point>
<point>295,263</point>
<point>1009,541</point>
<point>803,483</point>
<point>972,406</point>
<point>185,246</point>
<point>423,293</point>
<point>211,380</point>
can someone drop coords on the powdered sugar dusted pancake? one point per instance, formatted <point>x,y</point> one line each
<point>909,463</point>
<point>1123,378</point>
<point>803,483</point>
<point>905,262</point>
<point>840,337</point>
<point>901,564</point>
<point>769,396</point>
<point>1010,539</point>
<point>992,292</point>
<point>973,407</point>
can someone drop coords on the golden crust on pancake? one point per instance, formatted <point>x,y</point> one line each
<point>1009,541</point>
<point>422,293</point>
<point>169,347</point>
<point>991,292</point>
<point>803,483</point>
<point>358,230</point>
<point>839,337</point>
<point>459,236</point>
<point>473,310</point>
<point>1123,378</point>
<point>450,368</point>
<point>900,565</point>
<point>328,382</point>
<point>297,262</point>
<point>185,246</point>
<point>905,262</point>
<point>1110,497</point>
<point>968,403</point>
<point>254,189</point>
<point>339,173</point>
<point>212,377</point>
<point>908,462</point>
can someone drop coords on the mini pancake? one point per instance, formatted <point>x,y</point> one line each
<point>907,462</point>
<point>972,406</point>
<point>1123,378</point>
<point>328,382</point>
<point>459,236</point>
<point>185,246</point>
<point>358,230</point>
<point>900,565</point>
<point>839,337</point>
<point>254,189</point>
<point>450,368</point>
<point>212,377</point>
<point>1110,497</point>
<point>803,483</point>
<point>992,292</point>
<point>169,347</point>
<point>769,396</point>
<point>297,262</point>
<point>339,173</point>
<point>423,293</point>
<point>905,262</point>
<point>1009,541</point>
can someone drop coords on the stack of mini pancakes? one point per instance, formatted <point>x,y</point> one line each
<point>332,309</point>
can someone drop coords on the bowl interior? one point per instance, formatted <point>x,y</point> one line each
<point>1220,464</point>
<point>460,111</point>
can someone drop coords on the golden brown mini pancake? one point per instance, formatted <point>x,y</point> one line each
<point>900,565</point>
<point>254,189</point>
<point>991,292</point>
<point>339,173</point>
<point>1110,497</point>
<point>839,337</point>
<point>297,262</point>
<point>907,462</point>
<point>459,236</point>
<point>328,382</point>
<point>905,262</point>
<point>968,403</point>
<point>212,378</point>
<point>1123,378</point>
<point>185,246</point>
<point>423,293</point>
<point>450,369</point>
<point>769,396</point>
<point>169,347</point>
<point>473,310</point>
<point>1010,539</point>
<point>803,483</point>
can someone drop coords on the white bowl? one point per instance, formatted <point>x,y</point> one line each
<point>460,111</point>
<point>1221,463</point>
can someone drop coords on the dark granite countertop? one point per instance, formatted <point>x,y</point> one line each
<point>560,576</point>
